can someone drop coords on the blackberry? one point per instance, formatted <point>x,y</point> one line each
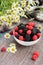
<point>22,26</point>
<point>38,31</point>
<point>25,30</point>
<point>27,38</point>
<point>17,36</point>
<point>23,34</point>
<point>34,31</point>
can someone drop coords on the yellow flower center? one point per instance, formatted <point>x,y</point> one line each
<point>8,49</point>
<point>39,27</point>
<point>3,18</point>
<point>7,35</point>
<point>13,49</point>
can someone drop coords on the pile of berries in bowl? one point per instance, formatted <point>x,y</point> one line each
<point>26,34</point>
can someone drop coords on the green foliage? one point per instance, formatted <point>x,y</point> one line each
<point>5,4</point>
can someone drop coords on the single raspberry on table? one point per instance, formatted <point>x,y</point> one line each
<point>36,53</point>
<point>3,49</point>
<point>34,57</point>
<point>34,37</point>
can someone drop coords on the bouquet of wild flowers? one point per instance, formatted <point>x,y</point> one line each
<point>13,15</point>
<point>17,11</point>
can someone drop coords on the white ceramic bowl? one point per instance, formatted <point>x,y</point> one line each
<point>24,43</point>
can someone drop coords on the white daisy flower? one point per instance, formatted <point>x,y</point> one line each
<point>8,11</point>
<point>20,9</point>
<point>13,49</point>
<point>40,27</point>
<point>14,5</point>
<point>9,24</point>
<point>12,44</point>
<point>8,16</point>
<point>23,3</point>
<point>22,13</point>
<point>3,18</point>
<point>8,49</point>
<point>14,12</point>
<point>7,35</point>
<point>17,18</point>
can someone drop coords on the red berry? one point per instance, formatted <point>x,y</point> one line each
<point>38,34</point>
<point>27,26</point>
<point>31,23</point>
<point>36,53</point>
<point>28,32</point>
<point>21,38</point>
<point>16,28</point>
<point>20,31</point>
<point>11,32</point>
<point>30,27</point>
<point>34,57</point>
<point>15,33</point>
<point>3,49</point>
<point>34,37</point>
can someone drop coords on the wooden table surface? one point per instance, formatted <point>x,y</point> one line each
<point>23,54</point>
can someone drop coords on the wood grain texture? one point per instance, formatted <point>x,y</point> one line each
<point>23,54</point>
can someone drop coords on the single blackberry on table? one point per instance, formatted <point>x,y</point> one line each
<point>27,38</point>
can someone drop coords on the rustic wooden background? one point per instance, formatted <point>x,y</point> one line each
<point>23,54</point>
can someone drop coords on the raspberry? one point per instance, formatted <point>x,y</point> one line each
<point>21,31</point>
<point>36,53</point>
<point>15,33</point>
<point>11,32</point>
<point>34,57</point>
<point>3,49</point>
<point>16,28</point>
<point>30,27</point>
<point>34,37</point>
<point>27,26</point>
<point>38,34</point>
<point>28,32</point>
<point>21,38</point>
<point>31,24</point>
